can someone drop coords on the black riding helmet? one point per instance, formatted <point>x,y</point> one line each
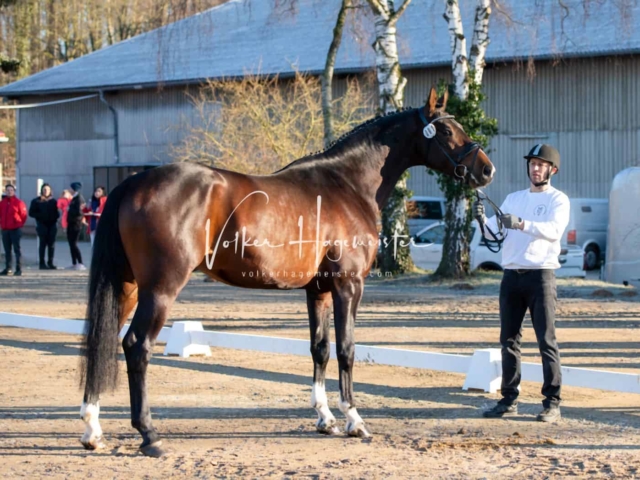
<point>546,153</point>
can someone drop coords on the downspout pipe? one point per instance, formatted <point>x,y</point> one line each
<point>116,143</point>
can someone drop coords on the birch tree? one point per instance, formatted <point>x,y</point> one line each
<point>391,85</point>
<point>467,73</point>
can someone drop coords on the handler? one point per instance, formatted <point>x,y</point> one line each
<point>536,221</point>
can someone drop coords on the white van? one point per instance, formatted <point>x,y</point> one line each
<point>623,249</point>
<point>423,211</point>
<point>588,222</point>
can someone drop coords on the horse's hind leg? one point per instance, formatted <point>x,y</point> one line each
<point>153,307</point>
<point>90,410</point>
<point>319,307</point>
<point>347,294</point>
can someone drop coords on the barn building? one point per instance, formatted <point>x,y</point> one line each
<point>584,96</point>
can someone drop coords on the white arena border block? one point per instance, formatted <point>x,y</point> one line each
<point>485,373</point>
<point>185,340</point>
<point>444,362</point>
<point>483,369</point>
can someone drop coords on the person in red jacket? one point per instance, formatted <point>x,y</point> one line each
<point>63,206</point>
<point>13,214</point>
<point>93,210</point>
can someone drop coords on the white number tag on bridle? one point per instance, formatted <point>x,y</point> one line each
<point>429,131</point>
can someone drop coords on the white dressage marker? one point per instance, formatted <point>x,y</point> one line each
<point>183,343</point>
<point>485,373</point>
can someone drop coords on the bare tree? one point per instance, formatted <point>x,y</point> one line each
<point>327,75</point>
<point>258,125</point>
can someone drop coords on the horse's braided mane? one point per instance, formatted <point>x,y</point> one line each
<point>344,136</point>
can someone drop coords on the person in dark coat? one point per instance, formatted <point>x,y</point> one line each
<point>45,211</point>
<point>75,221</point>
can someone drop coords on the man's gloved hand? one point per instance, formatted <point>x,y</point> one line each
<point>511,221</point>
<point>477,208</point>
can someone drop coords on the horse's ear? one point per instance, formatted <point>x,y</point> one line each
<point>442,101</point>
<point>432,102</point>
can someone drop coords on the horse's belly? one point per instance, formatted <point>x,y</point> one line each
<point>252,276</point>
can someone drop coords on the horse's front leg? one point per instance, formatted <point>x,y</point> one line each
<point>319,307</point>
<point>347,293</point>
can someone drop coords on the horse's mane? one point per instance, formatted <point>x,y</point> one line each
<point>340,141</point>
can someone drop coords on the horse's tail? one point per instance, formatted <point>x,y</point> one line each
<point>108,264</point>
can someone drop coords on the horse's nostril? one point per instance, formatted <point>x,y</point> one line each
<point>487,171</point>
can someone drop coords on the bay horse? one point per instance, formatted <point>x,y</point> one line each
<point>310,225</point>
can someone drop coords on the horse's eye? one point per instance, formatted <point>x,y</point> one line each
<point>448,133</point>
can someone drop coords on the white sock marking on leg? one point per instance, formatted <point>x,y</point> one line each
<point>353,417</point>
<point>319,402</point>
<point>89,412</point>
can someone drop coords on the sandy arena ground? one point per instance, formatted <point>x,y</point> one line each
<point>244,414</point>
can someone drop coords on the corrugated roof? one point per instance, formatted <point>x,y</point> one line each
<point>248,36</point>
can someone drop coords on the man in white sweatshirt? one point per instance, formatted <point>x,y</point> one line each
<point>536,220</point>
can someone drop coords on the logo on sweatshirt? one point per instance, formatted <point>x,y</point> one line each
<point>540,210</point>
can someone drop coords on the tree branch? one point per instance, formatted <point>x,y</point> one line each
<point>502,11</point>
<point>398,13</point>
<point>378,8</point>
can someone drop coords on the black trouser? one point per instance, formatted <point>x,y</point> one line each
<point>47,240</point>
<point>11,238</point>
<point>534,290</point>
<point>73,234</point>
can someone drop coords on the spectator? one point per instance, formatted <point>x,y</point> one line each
<point>75,220</point>
<point>63,206</point>
<point>13,214</point>
<point>45,211</point>
<point>93,211</point>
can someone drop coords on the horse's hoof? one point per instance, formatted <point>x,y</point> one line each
<point>327,428</point>
<point>358,431</point>
<point>93,444</point>
<point>153,450</point>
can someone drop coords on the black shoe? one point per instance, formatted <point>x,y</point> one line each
<point>51,266</point>
<point>6,271</point>
<point>18,272</point>
<point>501,410</point>
<point>43,267</point>
<point>549,415</point>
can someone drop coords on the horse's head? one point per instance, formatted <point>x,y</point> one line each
<point>443,145</point>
